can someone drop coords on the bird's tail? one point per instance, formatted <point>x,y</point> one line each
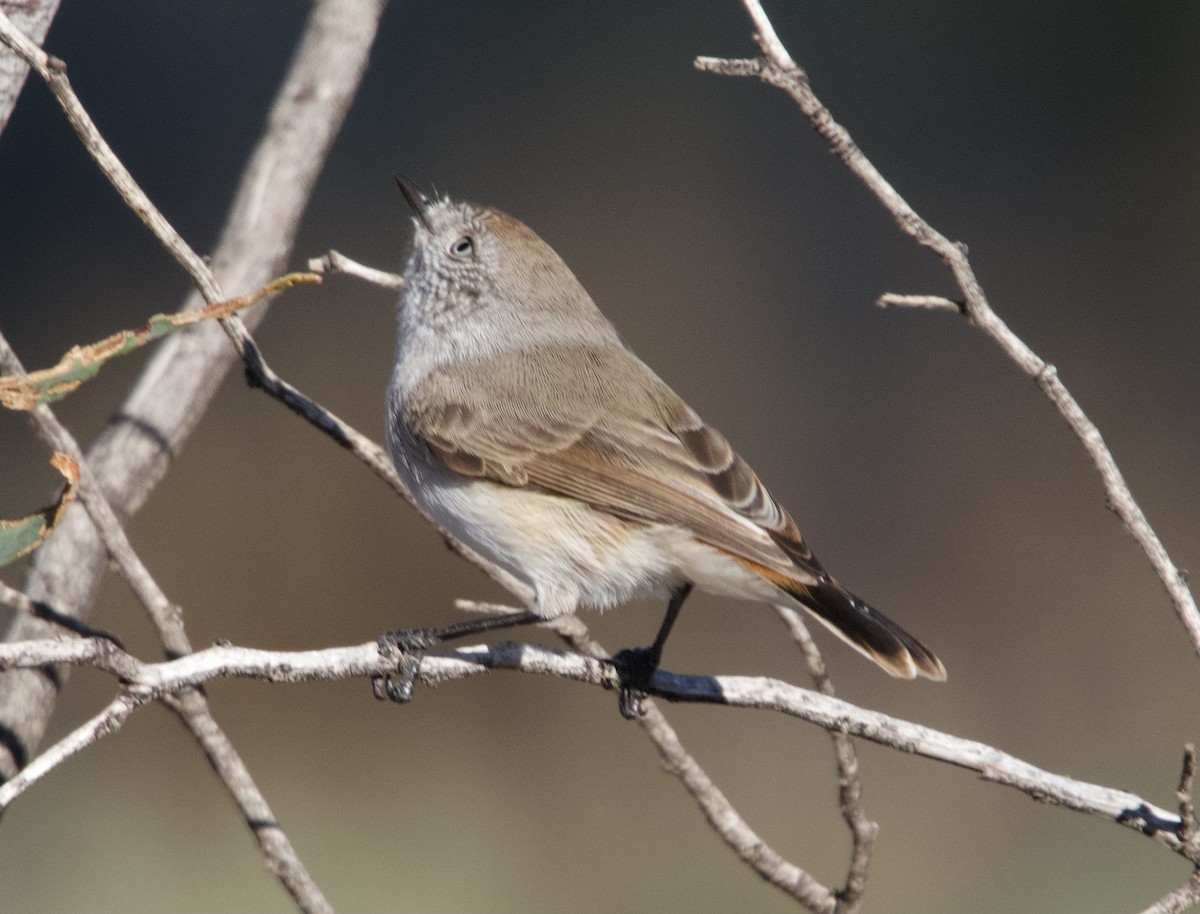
<point>867,630</point>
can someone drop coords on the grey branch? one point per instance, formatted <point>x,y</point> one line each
<point>335,262</point>
<point>862,830</point>
<point>761,693</point>
<point>32,19</point>
<point>721,814</point>
<point>1181,899</point>
<point>221,754</point>
<point>928,302</point>
<point>776,67</point>
<point>126,463</point>
<point>92,731</point>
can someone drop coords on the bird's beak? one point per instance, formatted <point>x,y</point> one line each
<point>416,200</point>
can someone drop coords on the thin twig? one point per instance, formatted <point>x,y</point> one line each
<point>722,815</point>
<point>863,830</point>
<point>330,25</point>
<point>927,302</point>
<point>54,72</point>
<point>36,609</point>
<point>776,67</point>
<point>334,262</point>
<point>367,660</point>
<point>1187,804</point>
<point>192,706</point>
<point>107,721</point>
<point>1184,897</point>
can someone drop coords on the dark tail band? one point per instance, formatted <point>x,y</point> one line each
<point>869,631</point>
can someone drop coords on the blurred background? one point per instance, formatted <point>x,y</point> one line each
<point>741,260</point>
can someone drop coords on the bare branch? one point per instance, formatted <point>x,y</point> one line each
<point>863,831</point>
<point>1184,897</point>
<point>722,815</point>
<point>776,67</point>
<point>310,107</point>
<point>31,18</point>
<point>1189,834</point>
<point>107,721</point>
<point>928,302</point>
<point>334,262</point>
<point>367,660</point>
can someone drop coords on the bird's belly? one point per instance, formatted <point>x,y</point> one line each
<point>572,555</point>
<point>569,553</point>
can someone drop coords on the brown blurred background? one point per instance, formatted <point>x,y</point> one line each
<point>738,258</point>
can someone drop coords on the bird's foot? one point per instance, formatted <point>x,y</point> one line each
<point>635,667</point>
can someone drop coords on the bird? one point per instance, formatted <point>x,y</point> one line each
<point>524,426</point>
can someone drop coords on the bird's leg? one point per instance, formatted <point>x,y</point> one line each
<point>413,642</point>
<point>636,665</point>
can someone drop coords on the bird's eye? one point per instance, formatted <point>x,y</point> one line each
<point>463,247</point>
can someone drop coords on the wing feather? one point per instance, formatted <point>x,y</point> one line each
<point>596,425</point>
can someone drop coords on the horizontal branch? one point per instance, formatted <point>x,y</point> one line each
<point>366,660</point>
<point>334,262</point>
<point>928,302</point>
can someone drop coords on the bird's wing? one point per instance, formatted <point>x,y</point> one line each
<point>594,424</point>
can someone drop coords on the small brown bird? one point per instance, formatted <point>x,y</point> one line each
<point>524,425</point>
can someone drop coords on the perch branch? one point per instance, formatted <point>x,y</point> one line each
<point>762,693</point>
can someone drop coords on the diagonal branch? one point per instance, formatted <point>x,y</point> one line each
<point>31,18</point>
<point>311,105</point>
<point>134,451</point>
<point>722,815</point>
<point>776,68</point>
<point>86,734</point>
<point>1180,899</point>
<point>189,704</point>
